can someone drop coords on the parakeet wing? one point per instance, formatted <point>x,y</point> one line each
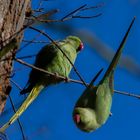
<point>41,62</point>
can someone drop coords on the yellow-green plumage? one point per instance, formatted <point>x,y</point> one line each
<point>33,94</point>
<point>53,60</point>
<point>93,107</point>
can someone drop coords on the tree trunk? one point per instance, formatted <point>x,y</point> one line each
<point>12,16</point>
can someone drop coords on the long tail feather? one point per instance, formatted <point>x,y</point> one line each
<point>31,97</point>
<point>118,53</point>
<point>94,78</point>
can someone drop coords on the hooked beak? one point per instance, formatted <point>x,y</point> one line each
<point>81,46</point>
<point>77,118</point>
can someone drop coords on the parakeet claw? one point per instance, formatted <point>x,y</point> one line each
<point>67,79</point>
<point>56,74</point>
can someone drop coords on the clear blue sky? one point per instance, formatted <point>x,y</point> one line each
<point>50,116</point>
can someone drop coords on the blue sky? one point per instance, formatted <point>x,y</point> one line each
<point>50,116</point>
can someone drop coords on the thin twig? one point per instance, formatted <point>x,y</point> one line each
<point>21,57</point>
<point>127,94</point>
<point>27,44</point>
<point>42,18</point>
<point>16,84</point>
<point>18,120</point>
<point>75,69</point>
<point>38,10</point>
<point>71,80</point>
<point>39,69</point>
<point>82,8</point>
<point>13,72</point>
<point>48,20</point>
<point>87,16</point>
<point>26,57</point>
<point>35,41</point>
<point>67,80</point>
<point>73,12</point>
<point>39,4</point>
<point>93,7</point>
<point>47,14</point>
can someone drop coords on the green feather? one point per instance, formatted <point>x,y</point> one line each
<point>117,55</point>
<point>93,107</point>
<point>53,60</point>
<point>31,97</point>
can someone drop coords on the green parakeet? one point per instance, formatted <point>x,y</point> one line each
<point>53,60</point>
<point>93,107</point>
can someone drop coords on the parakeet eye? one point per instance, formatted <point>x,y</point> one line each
<point>81,46</point>
<point>77,118</point>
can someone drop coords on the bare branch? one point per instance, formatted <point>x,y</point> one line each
<point>40,17</point>
<point>27,44</point>
<point>93,7</point>
<point>21,57</point>
<point>43,17</point>
<point>28,56</point>
<point>82,8</point>
<point>39,69</point>
<point>34,41</point>
<point>71,80</point>
<point>16,84</point>
<point>18,120</point>
<point>127,94</point>
<point>87,16</point>
<point>73,12</point>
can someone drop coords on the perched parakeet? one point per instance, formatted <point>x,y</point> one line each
<point>53,60</point>
<point>93,107</point>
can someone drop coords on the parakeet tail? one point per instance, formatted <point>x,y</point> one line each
<point>118,53</point>
<point>31,97</point>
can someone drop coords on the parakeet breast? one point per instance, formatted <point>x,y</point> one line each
<point>60,64</point>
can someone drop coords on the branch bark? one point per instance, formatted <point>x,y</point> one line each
<point>12,16</point>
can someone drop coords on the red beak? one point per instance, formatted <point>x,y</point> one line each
<point>81,46</point>
<point>77,118</point>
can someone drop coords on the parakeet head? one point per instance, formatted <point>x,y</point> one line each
<point>85,119</point>
<point>77,43</point>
